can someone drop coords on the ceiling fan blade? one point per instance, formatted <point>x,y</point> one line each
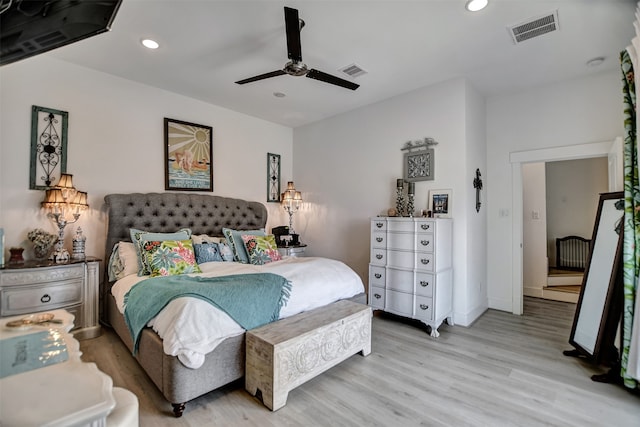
<point>261,77</point>
<point>292,25</point>
<point>328,78</point>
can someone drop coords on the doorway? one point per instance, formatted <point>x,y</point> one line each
<point>610,149</point>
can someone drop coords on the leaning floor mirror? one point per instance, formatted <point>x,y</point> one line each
<point>594,326</point>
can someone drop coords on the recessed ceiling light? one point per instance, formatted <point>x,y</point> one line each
<point>279,94</point>
<point>151,44</point>
<point>595,61</point>
<point>476,5</point>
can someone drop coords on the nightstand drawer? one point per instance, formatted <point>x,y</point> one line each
<point>29,299</point>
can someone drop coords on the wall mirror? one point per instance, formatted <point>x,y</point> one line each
<point>590,331</point>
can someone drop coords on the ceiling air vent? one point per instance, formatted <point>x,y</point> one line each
<point>353,70</point>
<point>534,27</point>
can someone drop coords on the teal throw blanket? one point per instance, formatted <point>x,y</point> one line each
<point>252,300</point>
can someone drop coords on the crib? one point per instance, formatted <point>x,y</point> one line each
<point>572,253</point>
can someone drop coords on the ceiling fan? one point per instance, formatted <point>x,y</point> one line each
<point>295,66</point>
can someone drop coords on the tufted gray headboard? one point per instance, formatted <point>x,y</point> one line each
<point>168,212</point>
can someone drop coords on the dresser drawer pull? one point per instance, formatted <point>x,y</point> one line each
<point>378,275</point>
<point>424,242</point>
<point>424,261</point>
<point>378,256</point>
<point>424,306</point>
<point>424,226</point>
<point>379,239</point>
<point>424,283</point>
<point>378,296</point>
<point>379,224</point>
<point>45,298</point>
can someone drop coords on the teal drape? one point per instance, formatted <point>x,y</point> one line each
<point>631,248</point>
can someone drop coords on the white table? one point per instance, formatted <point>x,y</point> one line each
<point>70,393</point>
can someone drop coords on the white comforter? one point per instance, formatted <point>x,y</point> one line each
<point>190,327</point>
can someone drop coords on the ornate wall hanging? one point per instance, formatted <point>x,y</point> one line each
<point>477,184</point>
<point>48,147</point>
<point>273,177</point>
<point>187,156</point>
<point>419,160</point>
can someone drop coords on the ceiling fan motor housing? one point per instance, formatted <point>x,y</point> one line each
<point>294,68</point>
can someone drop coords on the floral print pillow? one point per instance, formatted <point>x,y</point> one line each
<point>261,249</point>
<point>170,257</point>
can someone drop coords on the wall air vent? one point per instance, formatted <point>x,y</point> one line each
<point>353,70</point>
<point>534,27</point>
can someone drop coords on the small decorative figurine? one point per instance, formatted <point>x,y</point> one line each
<point>78,244</point>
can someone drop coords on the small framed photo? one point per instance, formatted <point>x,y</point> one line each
<point>440,203</point>
<point>273,177</point>
<point>187,156</point>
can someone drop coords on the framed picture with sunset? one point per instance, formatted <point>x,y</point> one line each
<point>187,156</point>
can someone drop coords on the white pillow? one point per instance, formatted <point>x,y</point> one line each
<point>123,261</point>
<point>199,239</point>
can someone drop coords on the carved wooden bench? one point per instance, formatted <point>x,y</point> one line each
<point>284,354</point>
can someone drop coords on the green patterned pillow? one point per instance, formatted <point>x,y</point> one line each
<point>170,257</point>
<point>261,249</point>
<point>139,236</point>
<point>234,240</point>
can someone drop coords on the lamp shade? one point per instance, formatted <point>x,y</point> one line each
<point>52,198</point>
<point>80,201</point>
<point>66,181</point>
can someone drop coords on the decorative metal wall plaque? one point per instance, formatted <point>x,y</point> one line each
<point>273,177</point>
<point>419,160</point>
<point>48,147</point>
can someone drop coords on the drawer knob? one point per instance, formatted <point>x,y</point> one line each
<point>378,239</point>
<point>378,296</point>
<point>424,306</point>
<point>424,226</point>
<point>379,224</point>
<point>424,283</point>
<point>45,298</point>
<point>379,256</point>
<point>424,261</point>
<point>378,275</point>
<point>424,242</point>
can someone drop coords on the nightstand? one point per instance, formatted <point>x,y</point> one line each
<point>294,251</point>
<point>37,286</point>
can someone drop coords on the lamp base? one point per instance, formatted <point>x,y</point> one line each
<point>60,255</point>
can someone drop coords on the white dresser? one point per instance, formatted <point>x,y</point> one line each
<point>410,269</point>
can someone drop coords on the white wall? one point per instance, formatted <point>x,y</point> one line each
<point>116,144</point>
<point>570,113</point>
<point>346,167</point>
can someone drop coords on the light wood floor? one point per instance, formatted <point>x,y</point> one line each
<point>504,370</point>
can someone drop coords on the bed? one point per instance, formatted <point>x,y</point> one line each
<point>202,215</point>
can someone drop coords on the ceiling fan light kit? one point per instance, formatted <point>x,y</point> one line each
<point>295,67</point>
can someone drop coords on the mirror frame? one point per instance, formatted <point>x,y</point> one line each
<point>605,336</point>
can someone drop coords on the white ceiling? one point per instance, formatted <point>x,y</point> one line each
<point>207,45</point>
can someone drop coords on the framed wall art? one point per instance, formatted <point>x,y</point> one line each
<point>48,147</point>
<point>440,203</point>
<point>419,165</point>
<point>187,156</point>
<point>273,177</point>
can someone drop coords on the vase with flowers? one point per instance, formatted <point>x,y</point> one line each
<point>42,242</point>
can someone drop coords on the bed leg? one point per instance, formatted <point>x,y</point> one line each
<point>178,409</point>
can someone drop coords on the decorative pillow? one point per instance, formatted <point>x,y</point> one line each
<point>138,236</point>
<point>225,251</point>
<point>203,238</point>
<point>234,239</point>
<point>123,261</point>
<point>170,257</point>
<point>261,249</point>
<point>207,252</point>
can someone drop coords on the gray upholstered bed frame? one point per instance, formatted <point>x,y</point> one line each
<point>168,212</point>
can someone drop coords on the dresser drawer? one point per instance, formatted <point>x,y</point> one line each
<point>378,256</point>
<point>378,225</point>
<point>379,239</point>
<point>33,276</point>
<point>28,299</point>
<point>424,309</point>
<point>424,261</point>
<point>424,242</point>
<point>424,284</point>
<point>399,303</point>
<point>403,225</point>
<point>425,225</point>
<point>377,276</point>
<point>401,259</point>
<point>377,297</point>
<point>401,241</point>
<point>400,280</point>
